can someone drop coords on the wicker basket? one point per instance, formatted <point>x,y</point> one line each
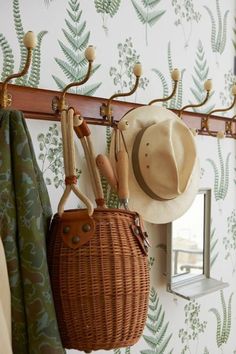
<point>100,278</point>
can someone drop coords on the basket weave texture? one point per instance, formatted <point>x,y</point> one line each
<point>100,289</point>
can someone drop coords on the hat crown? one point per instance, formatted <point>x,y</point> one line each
<point>169,144</point>
<point>166,157</point>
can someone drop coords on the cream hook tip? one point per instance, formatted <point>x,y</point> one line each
<point>220,134</point>
<point>78,120</point>
<point>194,131</point>
<point>137,70</point>
<point>208,85</point>
<point>90,53</point>
<point>175,75</point>
<point>123,124</point>
<point>30,40</point>
<point>234,90</point>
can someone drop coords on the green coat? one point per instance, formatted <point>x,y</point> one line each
<point>24,216</point>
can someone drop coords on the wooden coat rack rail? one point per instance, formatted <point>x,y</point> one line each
<point>38,104</point>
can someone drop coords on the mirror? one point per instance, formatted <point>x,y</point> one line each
<point>188,241</point>
<point>188,251</point>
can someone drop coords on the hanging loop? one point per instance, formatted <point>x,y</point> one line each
<point>67,125</point>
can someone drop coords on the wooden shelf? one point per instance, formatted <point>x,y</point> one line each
<point>37,104</point>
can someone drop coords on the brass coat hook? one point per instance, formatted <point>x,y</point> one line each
<point>229,126</point>
<point>90,56</point>
<point>205,121</point>
<point>30,42</point>
<point>106,109</point>
<point>208,88</point>
<point>175,75</point>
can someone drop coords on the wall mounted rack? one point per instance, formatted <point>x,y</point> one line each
<point>38,104</point>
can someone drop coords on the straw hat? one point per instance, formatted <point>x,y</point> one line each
<point>163,164</point>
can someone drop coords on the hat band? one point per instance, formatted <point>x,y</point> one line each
<point>137,170</point>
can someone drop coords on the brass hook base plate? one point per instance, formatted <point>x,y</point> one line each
<point>204,124</point>
<point>57,105</point>
<point>228,127</point>
<point>106,111</point>
<point>6,100</point>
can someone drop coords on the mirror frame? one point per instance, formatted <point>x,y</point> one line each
<point>197,285</point>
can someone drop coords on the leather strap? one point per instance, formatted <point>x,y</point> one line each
<point>70,180</point>
<point>76,228</point>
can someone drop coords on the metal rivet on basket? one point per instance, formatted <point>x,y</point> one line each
<point>86,227</point>
<point>66,229</point>
<point>136,231</point>
<point>75,239</point>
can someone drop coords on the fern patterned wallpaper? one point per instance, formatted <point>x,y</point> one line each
<point>198,37</point>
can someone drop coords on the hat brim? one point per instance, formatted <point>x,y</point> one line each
<point>154,211</point>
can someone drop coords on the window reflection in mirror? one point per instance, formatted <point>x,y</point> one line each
<point>188,241</point>
<point>188,251</point>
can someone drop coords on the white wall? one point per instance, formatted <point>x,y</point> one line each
<point>194,59</point>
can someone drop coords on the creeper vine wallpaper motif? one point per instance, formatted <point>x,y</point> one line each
<point>197,37</point>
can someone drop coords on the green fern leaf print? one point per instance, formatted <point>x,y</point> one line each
<point>154,17</point>
<point>150,3</point>
<point>107,8</point>
<point>216,179</point>
<point>176,101</point>
<point>226,185</point>
<point>120,351</point>
<point>20,34</point>
<point>117,351</point>
<point>218,29</point>
<point>213,244</point>
<point>34,76</point>
<point>201,71</point>
<point>89,90</point>
<point>60,84</point>
<point>140,12</point>
<point>147,15</point>
<point>213,28</point>
<point>221,172</point>
<point>229,241</point>
<point>8,58</point>
<point>234,30</point>
<point>222,43</point>
<point>165,88</point>
<point>193,326</point>
<point>159,339</point>
<point>51,157</point>
<point>123,74</point>
<point>223,323</point>
<point>74,64</point>
<point>74,59</point>
<point>186,15</point>
<point>226,93</point>
<point>47,2</point>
